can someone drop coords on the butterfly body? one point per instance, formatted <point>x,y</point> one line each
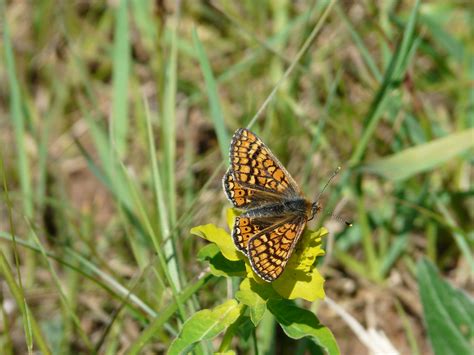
<point>298,207</point>
<point>275,212</point>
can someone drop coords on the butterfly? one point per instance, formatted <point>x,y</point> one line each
<point>275,211</point>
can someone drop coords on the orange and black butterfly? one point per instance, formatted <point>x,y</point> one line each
<point>275,210</point>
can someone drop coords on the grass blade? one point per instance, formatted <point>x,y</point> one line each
<point>309,40</point>
<point>121,68</point>
<point>423,157</point>
<point>29,319</point>
<point>395,69</point>
<point>212,92</point>
<point>369,62</point>
<point>168,137</point>
<point>18,121</point>
<point>90,271</point>
<point>155,326</point>
<point>62,295</point>
<point>459,238</point>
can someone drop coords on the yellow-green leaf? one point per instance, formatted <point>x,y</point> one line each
<point>300,278</point>
<point>220,237</point>
<point>299,284</point>
<point>230,217</point>
<point>307,250</point>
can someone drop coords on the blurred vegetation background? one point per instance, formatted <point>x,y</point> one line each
<point>115,121</point>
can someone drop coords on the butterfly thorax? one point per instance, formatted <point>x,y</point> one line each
<point>298,206</point>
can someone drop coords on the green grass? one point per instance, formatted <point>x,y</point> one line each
<point>115,126</point>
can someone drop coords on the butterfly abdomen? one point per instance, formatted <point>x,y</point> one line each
<point>295,206</point>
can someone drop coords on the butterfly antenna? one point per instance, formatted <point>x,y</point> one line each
<point>328,182</point>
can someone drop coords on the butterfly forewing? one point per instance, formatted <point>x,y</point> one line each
<point>253,165</point>
<point>239,196</point>
<point>269,251</point>
<point>245,197</point>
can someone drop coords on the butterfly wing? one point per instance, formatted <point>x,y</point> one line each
<point>245,197</point>
<point>254,166</point>
<point>270,249</point>
<point>246,226</point>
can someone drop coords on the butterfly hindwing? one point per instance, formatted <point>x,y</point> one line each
<point>248,225</point>
<point>269,250</point>
<point>244,229</point>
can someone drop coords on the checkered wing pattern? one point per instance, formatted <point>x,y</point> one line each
<point>245,197</point>
<point>269,250</point>
<point>253,166</point>
<point>245,227</point>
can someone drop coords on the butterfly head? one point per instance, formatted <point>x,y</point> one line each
<point>315,208</point>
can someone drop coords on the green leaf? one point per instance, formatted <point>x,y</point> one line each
<point>299,284</point>
<point>219,265</point>
<point>256,303</point>
<point>207,252</point>
<point>423,157</point>
<point>205,325</point>
<point>244,329</point>
<point>300,278</point>
<point>298,323</point>
<point>163,318</point>
<point>307,250</point>
<point>448,312</point>
<point>220,237</point>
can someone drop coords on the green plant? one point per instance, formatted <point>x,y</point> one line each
<point>448,312</point>
<point>254,297</point>
<point>115,118</point>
